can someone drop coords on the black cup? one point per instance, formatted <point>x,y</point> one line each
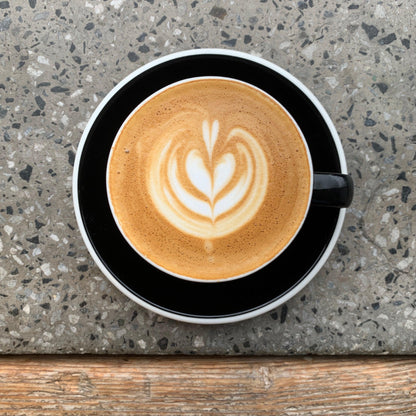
<point>227,301</point>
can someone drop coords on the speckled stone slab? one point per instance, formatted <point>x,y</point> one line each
<point>58,59</point>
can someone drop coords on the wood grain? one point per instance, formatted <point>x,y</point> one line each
<point>85,385</point>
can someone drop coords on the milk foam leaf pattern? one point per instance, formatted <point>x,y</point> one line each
<point>224,185</point>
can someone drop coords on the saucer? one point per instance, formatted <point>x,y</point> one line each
<point>192,301</point>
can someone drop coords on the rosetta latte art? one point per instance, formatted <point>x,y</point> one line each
<point>212,189</point>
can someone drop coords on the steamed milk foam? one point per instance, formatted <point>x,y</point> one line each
<point>209,179</point>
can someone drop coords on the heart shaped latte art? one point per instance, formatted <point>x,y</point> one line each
<point>210,184</point>
<point>207,192</point>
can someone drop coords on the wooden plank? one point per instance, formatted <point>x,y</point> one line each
<point>98,385</point>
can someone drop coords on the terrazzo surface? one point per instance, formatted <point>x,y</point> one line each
<point>58,59</point>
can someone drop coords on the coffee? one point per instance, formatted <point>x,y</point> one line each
<point>209,179</point>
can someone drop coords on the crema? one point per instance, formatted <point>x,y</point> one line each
<point>209,179</point>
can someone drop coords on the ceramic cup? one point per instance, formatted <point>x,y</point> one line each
<point>177,295</point>
<point>174,209</point>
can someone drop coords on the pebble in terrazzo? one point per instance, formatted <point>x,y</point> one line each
<point>59,59</point>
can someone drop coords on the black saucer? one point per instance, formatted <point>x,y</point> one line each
<point>177,296</point>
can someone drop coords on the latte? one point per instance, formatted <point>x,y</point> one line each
<point>209,179</point>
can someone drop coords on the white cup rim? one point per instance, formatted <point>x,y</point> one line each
<point>246,314</point>
<point>196,279</point>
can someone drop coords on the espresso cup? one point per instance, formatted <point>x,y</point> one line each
<point>210,179</point>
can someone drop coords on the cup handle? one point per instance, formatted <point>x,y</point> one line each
<point>332,190</point>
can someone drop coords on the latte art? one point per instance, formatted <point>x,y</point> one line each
<point>217,195</point>
<point>209,179</point>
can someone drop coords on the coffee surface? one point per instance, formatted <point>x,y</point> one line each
<point>209,179</point>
